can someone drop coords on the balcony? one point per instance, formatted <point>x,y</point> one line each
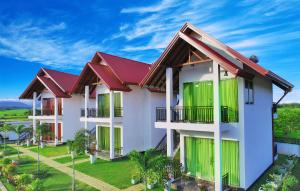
<point>187,114</point>
<point>103,113</point>
<point>44,111</point>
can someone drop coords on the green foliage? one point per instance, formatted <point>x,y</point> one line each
<point>22,180</point>
<point>14,114</point>
<point>10,170</point>
<point>288,182</point>
<point>287,125</point>
<point>36,185</point>
<point>80,141</point>
<point>6,161</point>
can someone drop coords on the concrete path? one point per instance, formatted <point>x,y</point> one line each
<point>91,181</point>
<point>2,187</point>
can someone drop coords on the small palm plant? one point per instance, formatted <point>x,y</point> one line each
<point>148,163</point>
<point>18,129</point>
<point>5,128</point>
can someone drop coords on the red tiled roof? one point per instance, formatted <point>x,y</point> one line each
<point>126,70</point>
<point>59,83</point>
<point>52,87</point>
<point>114,71</point>
<point>228,64</point>
<point>105,73</point>
<point>65,80</point>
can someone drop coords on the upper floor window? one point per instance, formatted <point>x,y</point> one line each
<point>249,93</point>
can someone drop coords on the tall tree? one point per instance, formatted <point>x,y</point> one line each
<point>18,129</point>
<point>5,128</point>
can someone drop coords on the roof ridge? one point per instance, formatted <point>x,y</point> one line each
<point>47,69</point>
<point>123,58</point>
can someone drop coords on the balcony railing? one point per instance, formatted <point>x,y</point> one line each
<point>44,111</point>
<point>197,114</point>
<point>102,113</point>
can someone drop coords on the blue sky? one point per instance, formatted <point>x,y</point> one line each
<point>64,35</point>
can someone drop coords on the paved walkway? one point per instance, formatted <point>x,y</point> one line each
<point>2,187</point>
<point>96,183</point>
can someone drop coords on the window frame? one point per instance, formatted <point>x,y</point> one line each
<point>249,85</point>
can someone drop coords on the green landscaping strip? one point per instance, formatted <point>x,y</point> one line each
<point>52,151</point>
<point>54,180</point>
<point>117,173</point>
<point>68,159</point>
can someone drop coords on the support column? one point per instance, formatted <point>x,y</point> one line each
<point>217,124</point>
<point>34,119</point>
<point>56,121</point>
<point>86,102</point>
<point>97,138</point>
<point>111,125</point>
<point>182,150</point>
<point>169,102</point>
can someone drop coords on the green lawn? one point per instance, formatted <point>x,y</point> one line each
<point>55,181</point>
<point>287,125</point>
<point>10,150</point>
<point>67,159</point>
<point>52,151</point>
<point>116,173</point>
<point>14,115</point>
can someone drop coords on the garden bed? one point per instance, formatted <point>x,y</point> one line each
<point>9,150</point>
<point>54,179</point>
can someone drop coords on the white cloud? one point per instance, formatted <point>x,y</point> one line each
<point>292,97</point>
<point>165,4</point>
<point>42,44</point>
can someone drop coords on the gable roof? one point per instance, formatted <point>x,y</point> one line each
<point>228,58</point>
<point>58,83</point>
<point>113,71</point>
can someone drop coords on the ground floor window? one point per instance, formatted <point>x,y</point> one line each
<point>48,132</point>
<point>199,159</point>
<point>104,138</point>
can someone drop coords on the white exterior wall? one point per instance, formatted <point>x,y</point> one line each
<point>258,131</point>
<point>137,124</point>
<point>71,116</point>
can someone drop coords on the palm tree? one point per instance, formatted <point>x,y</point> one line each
<point>18,129</point>
<point>77,147</point>
<point>5,128</point>
<point>148,162</point>
<point>41,130</point>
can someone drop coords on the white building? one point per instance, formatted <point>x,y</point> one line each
<point>124,113</point>
<point>58,108</point>
<point>220,103</point>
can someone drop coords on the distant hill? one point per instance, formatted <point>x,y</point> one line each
<point>8,104</point>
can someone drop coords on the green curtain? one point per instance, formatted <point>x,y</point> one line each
<point>198,101</point>
<point>229,100</point>
<point>231,161</point>
<point>117,140</point>
<point>199,159</point>
<point>104,103</point>
<point>104,136</point>
<point>117,105</point>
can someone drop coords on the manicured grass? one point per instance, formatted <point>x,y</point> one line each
<point>67,159</point>
<point>116,173</point>
<point>55,180</point>
<point>9,150</point>
<point>52,151</point>
<point>14,114</point>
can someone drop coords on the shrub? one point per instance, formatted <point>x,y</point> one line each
<point>6,161</point>
<point>23,180</point>
<point>288,182</point>
<point>42,174</point>
<point>36,185</point>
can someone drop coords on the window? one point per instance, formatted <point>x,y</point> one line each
<point>249,93</point>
